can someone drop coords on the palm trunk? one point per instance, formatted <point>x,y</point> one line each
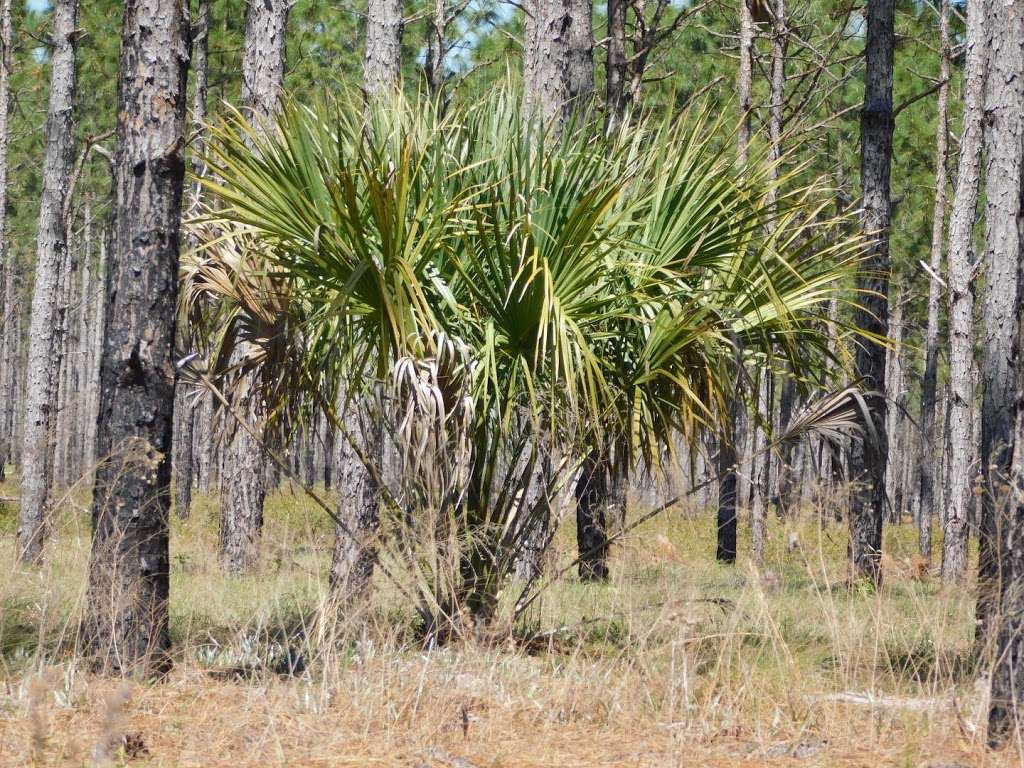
<point>382,64</point>
<point>961,299</point>
<point>126,620</point>
<point>868,457</point>
<point>41,383</point>
<point>1004,102</point>
<point>931,353</point>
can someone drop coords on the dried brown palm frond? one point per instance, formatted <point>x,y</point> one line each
<point>834,417</point>
<point>244,322</point>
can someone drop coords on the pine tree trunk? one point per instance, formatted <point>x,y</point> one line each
<point>615,64</point>
<point>592,490</point>
<point>126,621</point>
<point>760,464</point>
<point>7,343</point>
<point>243,477</point>
<point>437,49</point>
<point>1004,103</point>
<point>580,64</point>
<point>382,65</point>
<point>895,386</point>
<point>263,64</point>
<point>961,299</point>
<point>355,546</point>
<point>8,365</point>
<point>868,457</point>
<point>726,519</point>
<point>41,382</point>
<point>931,352</point>
<point>184,401</point>
<point>546,62</point>
<point>745,83</point>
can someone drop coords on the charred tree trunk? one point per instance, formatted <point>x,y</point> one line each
<point>41,382</point>
<point>931,351</point>
<point>868,457</point>
<point>592,492</point>
<point>126,620</point>
<point>959,419</point>
<point>382,64</point>
<point>1004,103</point>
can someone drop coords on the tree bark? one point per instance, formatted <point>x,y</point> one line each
<point>931,352</point>
<point>263,64</point>
<point>7,343</point>
<point>546,62</point>
<point>592,492</point>
<point>580,64</point>
<point>51,248</point>
<point>615,65</point>
<point>961,298</point>
<point>868,457</point>
<point>437,49</point>
<point>382,65</point>
<point>184,402</point>
<point>894,418</point>
<point>355,544</point>
<point>1004,103</point>
<point>126,620</point>
<point>759,462</point>
<point>726,519</point>
<point>243,477</point>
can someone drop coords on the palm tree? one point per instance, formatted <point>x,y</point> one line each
<point>508,288</point>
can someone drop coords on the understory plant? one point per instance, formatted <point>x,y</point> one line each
<point>509,302</point>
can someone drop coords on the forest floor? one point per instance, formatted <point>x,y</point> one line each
<point>678,661</point>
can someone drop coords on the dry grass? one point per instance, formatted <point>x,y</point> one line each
<point>677,662</point>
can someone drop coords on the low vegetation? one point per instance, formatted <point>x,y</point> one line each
<point>676,661</point>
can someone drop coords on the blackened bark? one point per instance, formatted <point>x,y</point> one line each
<point>126,619</point>
<point>592,489</point>
<point>868,457</point>
<point>43,368</point>
<point>726,521</point>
